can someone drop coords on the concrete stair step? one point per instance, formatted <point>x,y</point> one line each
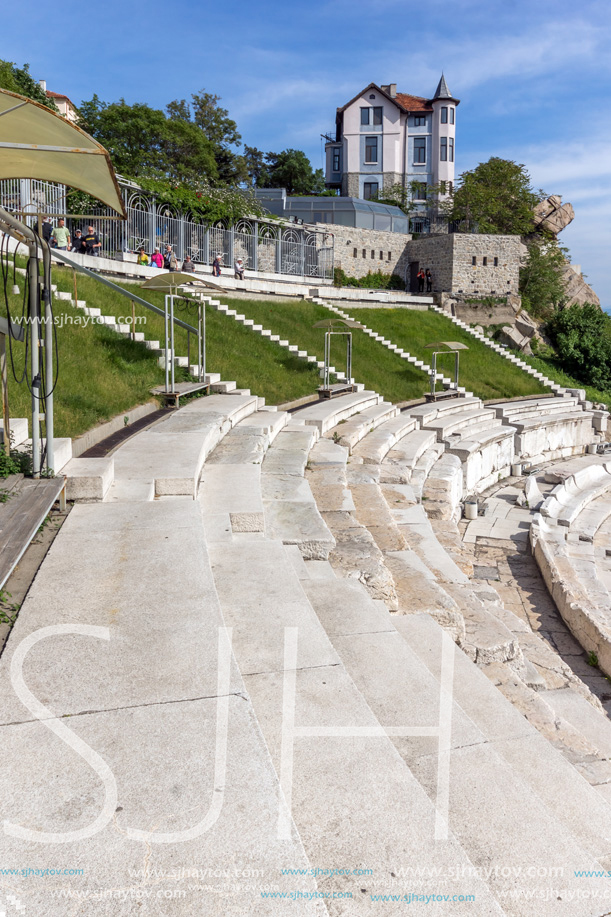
<point>374,447</point>
<point>401,460</point>
<point>62,447</point>
<point>223,387</point>
<point>346,772</point>
<point>88,479</point>
<point>249,440</point>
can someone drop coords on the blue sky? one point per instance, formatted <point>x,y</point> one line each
<point>533,77</point>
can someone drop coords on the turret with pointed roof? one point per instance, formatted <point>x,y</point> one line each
<point>442,91</point>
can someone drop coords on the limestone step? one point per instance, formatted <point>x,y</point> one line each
<point>249,439</point>
<point>374,447</point>
<point>545,770</point>
<point>427,413</point>
<point>223,387</point>
<point>449,425</point>
<point>172,452</point>
<point>148,699</point>
<point>350,432</point>
<point>19,430</point>
<point>291,514</point>
<point>354,815</point>
<point>328,413</point>
<point>403,457</point>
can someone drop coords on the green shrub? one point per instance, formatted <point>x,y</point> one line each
<point>375,280</point>
<point>581,336</point>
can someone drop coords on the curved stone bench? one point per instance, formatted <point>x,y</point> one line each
<point>580,597</point>
<point>434,410</point>
<point>554,436</point>
<point>578,490</point>
<point>535,407</point>
<point>486,456</point>
<point>360,424</point>
<point>462,423</point>
<point>377,444</point>
<point>327,414</point>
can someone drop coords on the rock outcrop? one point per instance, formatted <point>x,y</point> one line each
<point>552,215</point>
<point>577,290</point>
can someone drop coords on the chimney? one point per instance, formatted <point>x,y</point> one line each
<point>392,90</point>
<point>43,85</point>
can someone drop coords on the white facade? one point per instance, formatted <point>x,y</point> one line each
<point>384,138</point>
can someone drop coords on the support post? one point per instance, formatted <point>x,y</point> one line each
<point>35,356</point>
<point>5,412</point>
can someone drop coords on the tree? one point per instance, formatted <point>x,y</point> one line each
<point>292,170</point>
<point>582,338</point>
<point>404,196</point>
<point>256,167</point>
<point>218,128</point>
<point>541,281</point>
<point>142,142</point>
<point>497,196</point>
<point>18,79</point>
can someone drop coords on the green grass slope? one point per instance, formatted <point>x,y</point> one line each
<point>482,371</point>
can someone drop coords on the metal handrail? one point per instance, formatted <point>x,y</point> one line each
<point>121,290</point>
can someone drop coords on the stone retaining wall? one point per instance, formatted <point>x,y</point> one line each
<point>481,265</point>
<point>358,251</point>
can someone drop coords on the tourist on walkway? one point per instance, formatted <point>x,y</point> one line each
<point>421,280</point>
<point>239,269</point>
<point>188,265</point>
<point>78,243</point>
<point>92,242</point>
<point>429,281</point>
<point>143,258</point>
<point>157,259</point>
<point>216,265</point>
<point>170,262</point>
<point>61,236</point>
<point>47,229</point>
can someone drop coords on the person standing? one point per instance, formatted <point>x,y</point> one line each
<point>61,236</point>
<point>239,269</point>
<point>47,230</point>
<point>216,265</point>
<point>421,280</point>
<point>169,259</point>
<point>157,258</point>
<point>143,258</point>
<point>188,265</point>
<point>429,281</point>
<point>78,244</point>
<point>92,242</point>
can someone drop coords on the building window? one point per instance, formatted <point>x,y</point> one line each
<point>485,261</point>
<point>420,150</point>
<point>373,254</point>
<point>419,120</point>
<point>473,262</point>
<point>381,256</point>
<point>390,256</point>
<point>496,262</point>
<point>451,116</point>
<point>443,149</point>
<point>372,96</point>
<point>364,253</point>
<point>354,252</point>
<point>371,149</point>
<point>336,159</point>
<point>451,139</point>
<point>444,115</point>
<point>365,115</point>
<point>450,187</point>
<point>370,190</point>
<point>377,115</point>
<point>420,191</point>
<point>442,186</point>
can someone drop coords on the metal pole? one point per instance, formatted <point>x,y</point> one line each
<point>49,425</point>
<point>167,367</point>
<point>433,373</point>
<point>34,358</point>
<point>5,412</point>
<point>203,377</point>
<point>172,336</point>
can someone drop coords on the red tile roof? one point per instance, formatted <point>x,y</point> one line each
<point>59,95</point>
<point>413,103</point>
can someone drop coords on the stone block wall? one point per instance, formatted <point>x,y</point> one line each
<point>473,264</point>
<point>358,251</point>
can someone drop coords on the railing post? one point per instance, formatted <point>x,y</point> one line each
<point>255,246</point>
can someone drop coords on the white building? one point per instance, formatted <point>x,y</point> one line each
<point>66,108</point>
<point>384,137</point>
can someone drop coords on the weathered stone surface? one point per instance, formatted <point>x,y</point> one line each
<point>525,324</point>
<point>512,337</point>
<point>576,289</point>
<point>552,215</point>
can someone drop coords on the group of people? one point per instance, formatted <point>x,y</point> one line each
<point>238,267</point>
<point>59,237</point>
<point>425,276</point>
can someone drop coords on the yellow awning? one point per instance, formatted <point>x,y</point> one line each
<point>37,143</point>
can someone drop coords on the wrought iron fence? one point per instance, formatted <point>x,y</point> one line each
<point>268,247</point>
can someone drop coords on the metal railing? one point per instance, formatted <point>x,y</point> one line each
<point>263,246</point>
